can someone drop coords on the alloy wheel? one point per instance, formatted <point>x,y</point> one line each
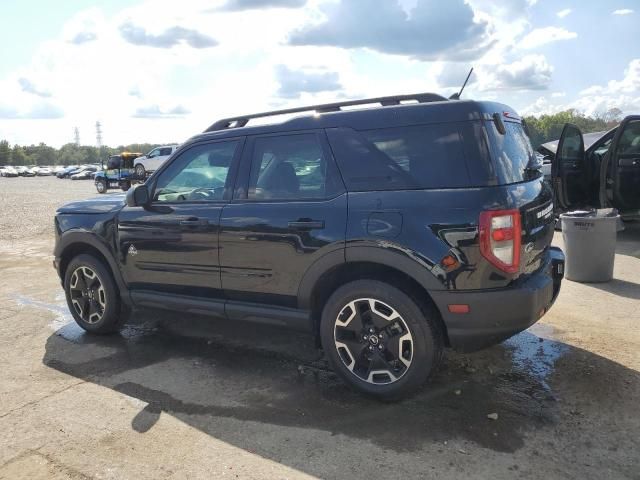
<point>373,341</point>
<point>87,294</point>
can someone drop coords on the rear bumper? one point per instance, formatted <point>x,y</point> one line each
<point>495,315</point>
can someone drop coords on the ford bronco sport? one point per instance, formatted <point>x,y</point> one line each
<point>389,232</point>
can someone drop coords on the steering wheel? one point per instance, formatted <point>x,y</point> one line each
<point>204,193</point>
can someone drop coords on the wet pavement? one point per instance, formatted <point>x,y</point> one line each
<point>175,397</point>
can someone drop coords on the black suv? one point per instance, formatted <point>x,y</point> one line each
<point>389,232</point>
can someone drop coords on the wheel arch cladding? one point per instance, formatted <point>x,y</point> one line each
<point>75,248</point>
<point>339,275</point>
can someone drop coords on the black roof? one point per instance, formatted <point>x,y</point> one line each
<point>439,111</point>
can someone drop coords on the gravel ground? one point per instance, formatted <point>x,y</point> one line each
<point>176,397</point>
<point>32,203</point>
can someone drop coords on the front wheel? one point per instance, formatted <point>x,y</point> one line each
<point>101,186</point>
<point>92,295</point>
<point>125,185</point>
<point>379,340</point>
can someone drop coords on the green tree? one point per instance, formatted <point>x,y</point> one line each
<point>5,153</point>
<point>545,128</point>
<point>18,156</point>
<point>44,155</point>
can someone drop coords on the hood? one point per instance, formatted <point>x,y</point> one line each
<point>101,204</point>
<point>589,139</point>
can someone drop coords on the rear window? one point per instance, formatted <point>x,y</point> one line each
<point>511,152</point>
<point>414,157</point>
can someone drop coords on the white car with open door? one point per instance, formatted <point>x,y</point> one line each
<point>153,160</point>
<point>605,175</point>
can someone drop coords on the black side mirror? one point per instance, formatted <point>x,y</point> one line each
<point>138,196</point>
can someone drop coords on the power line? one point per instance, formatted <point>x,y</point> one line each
<point>98,134</point>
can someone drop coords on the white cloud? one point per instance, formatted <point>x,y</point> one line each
<point>433,30</point>
<point>623,94</point>
<point>531,72</point>
<point>564,13</point>
<point>622,11</point>
<point>542,36</point>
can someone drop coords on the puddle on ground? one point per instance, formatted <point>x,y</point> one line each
<point>535,352</point>
<point>63,323</point>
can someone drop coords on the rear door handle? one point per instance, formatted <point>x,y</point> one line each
<point>307,225</point>
<point>194,221</point>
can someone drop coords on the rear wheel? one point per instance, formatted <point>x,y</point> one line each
<point>125,185</point>
<point>140,171</point>
<point>92,295</point>
<point>378,339</point>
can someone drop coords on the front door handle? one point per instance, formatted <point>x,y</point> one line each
<point>629,162</point>
<point>194,222</point>
<point>304,224</point>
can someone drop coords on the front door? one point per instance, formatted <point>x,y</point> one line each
<point>624,165</point>
<point>171,245</point>
<point>569,170</point>
<point>289,210</point>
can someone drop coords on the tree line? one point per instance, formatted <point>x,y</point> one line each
<point>68,154</point>
<point>541,130</point>
<point>545,128</point>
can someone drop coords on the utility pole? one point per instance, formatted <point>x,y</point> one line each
<point>76,136</point>
<point>98,135</point>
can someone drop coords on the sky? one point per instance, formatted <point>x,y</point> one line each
<point>161,71</point>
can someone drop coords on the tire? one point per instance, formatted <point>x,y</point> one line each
<point>414,336</point>
<point>92,295</point>
<point>101,186</point>
<point>140,171</point>
<point>125,186</point>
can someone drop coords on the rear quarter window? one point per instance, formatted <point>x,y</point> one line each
<point>511,152</point>
<point>412,157</point>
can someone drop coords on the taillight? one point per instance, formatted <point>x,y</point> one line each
<point>500,233</point>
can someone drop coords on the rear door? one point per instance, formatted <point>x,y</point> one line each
<point>569,170</point>
<point>289,210</point>
<point>624,165</point>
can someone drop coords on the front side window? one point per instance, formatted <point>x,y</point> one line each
<point>291,167</point>
<point>198,174</point>
<point>153,153</point>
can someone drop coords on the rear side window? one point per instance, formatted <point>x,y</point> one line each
<point>413,157</point>
<point>291,167</point>
<point>511,152</point>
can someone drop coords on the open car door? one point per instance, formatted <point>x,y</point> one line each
<point>623,166</point>
<point>568,169</point>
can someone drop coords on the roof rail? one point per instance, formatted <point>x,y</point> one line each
<point>241,121</point>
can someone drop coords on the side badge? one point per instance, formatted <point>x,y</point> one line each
<point>132,250</point>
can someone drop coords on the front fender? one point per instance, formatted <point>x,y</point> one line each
<point>73,240</point>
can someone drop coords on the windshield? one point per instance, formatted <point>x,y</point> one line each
<point>512,153</point>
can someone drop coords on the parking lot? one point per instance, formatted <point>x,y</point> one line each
<point>177,397</point>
